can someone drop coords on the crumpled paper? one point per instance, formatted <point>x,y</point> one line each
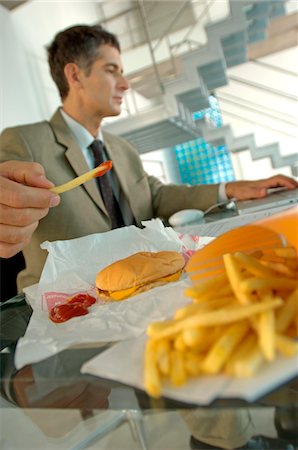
<point>71,267</point>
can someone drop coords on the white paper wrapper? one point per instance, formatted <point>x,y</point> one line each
<point>72,265</point>
<point>116,363</point>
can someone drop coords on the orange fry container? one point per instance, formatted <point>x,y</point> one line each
<point>275,231</point>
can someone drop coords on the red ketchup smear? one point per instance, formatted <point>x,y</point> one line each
<point>103,168</point>
<point>74,307</point>
<point>85,300</point>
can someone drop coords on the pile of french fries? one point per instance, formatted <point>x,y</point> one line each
<point>237,321</point>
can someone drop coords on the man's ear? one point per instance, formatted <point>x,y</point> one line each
<point>72,74</point>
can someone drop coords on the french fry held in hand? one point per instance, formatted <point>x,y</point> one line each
<point>238,321</point>
<point>94,173</point>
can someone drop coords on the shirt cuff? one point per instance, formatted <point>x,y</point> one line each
<point>222,196</point>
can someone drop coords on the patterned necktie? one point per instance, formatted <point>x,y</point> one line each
<point>105,187</point>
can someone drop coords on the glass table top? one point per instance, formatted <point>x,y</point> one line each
<point>68,409</point>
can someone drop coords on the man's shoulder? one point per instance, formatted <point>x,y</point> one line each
<point>111,137</point>
<point>37,128</point>
<point>34,134</point>
<point>28,128</point>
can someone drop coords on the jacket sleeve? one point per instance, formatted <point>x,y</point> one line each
<point>170,198</point>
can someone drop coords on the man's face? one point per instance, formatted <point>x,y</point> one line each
<point>102,90</point>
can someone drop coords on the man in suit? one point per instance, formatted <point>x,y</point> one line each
<point>86,66</point>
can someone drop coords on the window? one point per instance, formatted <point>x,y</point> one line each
<point>201,163</point>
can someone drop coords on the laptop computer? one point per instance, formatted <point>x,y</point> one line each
<point>276,198</point>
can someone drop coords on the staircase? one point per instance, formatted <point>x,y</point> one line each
<point>169,119</point>
<point>224,136</point>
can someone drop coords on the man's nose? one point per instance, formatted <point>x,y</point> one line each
<point>124,83</point>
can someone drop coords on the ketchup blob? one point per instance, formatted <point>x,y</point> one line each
<point>62,313</point>
<point>74,307</point>
<point>82,299</point>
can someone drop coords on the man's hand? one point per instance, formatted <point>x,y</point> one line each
<point>24,200</point>
<point>245,190</point>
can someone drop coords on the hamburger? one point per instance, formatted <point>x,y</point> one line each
<point>138,273</point>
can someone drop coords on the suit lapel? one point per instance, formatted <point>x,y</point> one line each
<point>75,157</point>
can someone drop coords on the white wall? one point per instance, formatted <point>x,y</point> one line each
<point>28,92</point>
<point>19,103</point>
<point>168,162</point>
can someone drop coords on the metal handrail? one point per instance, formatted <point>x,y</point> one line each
<point>147,32</point>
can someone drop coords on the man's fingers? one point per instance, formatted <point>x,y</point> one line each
<point>28,173</point>
<point>25,198</point>
<point>245,190</point>
<point>15,235</point>
<point>17,195</point>
<point>14,239</point>
<point>260,188</point>
<point>21,217</point>
<point>9,250</point>
<point>279,181</point>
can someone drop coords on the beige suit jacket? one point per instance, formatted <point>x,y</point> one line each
<point>82,211</point>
